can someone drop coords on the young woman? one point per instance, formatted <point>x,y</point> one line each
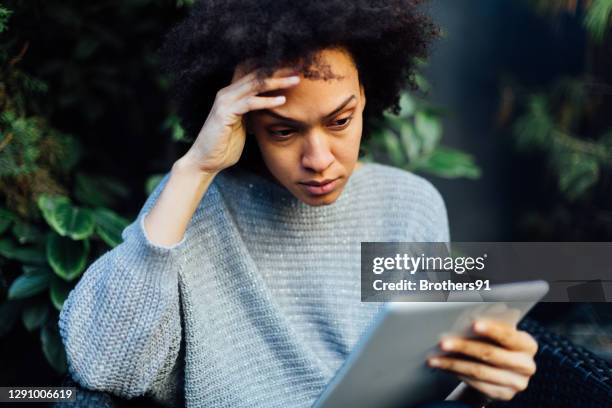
<point>238,284</point>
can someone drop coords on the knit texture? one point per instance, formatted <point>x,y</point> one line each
<point>257,306</point>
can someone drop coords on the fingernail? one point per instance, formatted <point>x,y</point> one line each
<point>434,362</point>
<point>280,98</point>
<point>447,344</point>
<point>480,327</point>
<point>293,79</point>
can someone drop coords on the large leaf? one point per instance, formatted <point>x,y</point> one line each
<point>66,219</point>
<point>66,256</point>
<point>450,163</point>
<point>53,348</point>
<point>99,191</point>
<point>58,292</point>
<point>26,233</point>
<point>598,19</point>
<point>48,204</point>
<point>35,315</point>
<point>393,147</point>
<point>407,104</point>
<point>29,284</point>
<point>26,254</point>
<point>429,128</point>
<point>109,226</point>
<point>410,142</point>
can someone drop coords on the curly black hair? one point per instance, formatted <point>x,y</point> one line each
<point>383,37</point>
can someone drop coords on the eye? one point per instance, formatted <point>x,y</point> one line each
<point>341,123</point>
<point>281,134</point>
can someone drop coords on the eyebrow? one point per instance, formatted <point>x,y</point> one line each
<point>329,115</point>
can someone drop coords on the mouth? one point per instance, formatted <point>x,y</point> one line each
<point>320,187</point>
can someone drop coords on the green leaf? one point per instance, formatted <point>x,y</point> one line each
<point>26,233</point>
<point>450,163</point>
<point>48,206</point>
<point>109,226</point>
<point>152,182</point>
<point>410,143</point>
<point>4,17</point>
<point>58,292</point>
<point>9,312</point>
<point>394,148</point>
<point>28,285</point>
<point>598,19</point>
<point>577,174</point>
<point>34,316</point>
<point>66,219</point>
<point>66,256</point>
<point>534,129</point>
<point>407,104</point>
<point>421,82</point>
<point>53,348</point>
<point>6,219</point>
<point>429,128</point>
<point>31,270</point>
<point>27,254</point>
<point>99,191</point>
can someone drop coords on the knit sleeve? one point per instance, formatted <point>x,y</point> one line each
<point>121,324</point>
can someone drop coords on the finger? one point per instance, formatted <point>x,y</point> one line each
<point>245,68</point>
<point>238,80</point>
<point>481,372</point>
<point>506,335</point>
<point>490,390</point>
<point>518,361</point>
<point>255,86</point>
<point>251,103</point>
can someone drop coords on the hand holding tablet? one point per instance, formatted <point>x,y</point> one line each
<point>388,367</point>
<point>500,359</point>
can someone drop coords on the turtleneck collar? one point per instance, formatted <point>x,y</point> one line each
<point>249,185</point>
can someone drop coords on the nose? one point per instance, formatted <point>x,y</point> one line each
<point>316,154</point>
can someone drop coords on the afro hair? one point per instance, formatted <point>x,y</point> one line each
<point>383,37</point>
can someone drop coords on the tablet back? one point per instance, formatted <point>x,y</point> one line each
<point>387,367</point>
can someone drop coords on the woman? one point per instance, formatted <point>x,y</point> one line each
<point>239,285</point>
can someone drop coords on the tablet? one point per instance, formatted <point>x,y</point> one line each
<point>387,367</point>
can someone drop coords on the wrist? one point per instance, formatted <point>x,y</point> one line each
<point>185,165</point>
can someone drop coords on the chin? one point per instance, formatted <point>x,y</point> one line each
<point>317,201</point>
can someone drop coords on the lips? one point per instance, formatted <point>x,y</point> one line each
<point>318,183</point>
<point>316,187</point>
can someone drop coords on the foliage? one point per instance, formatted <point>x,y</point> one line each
<point>55,217</point>
<point>598,18</point>
<point>568,125</point>
<point>411,140</point>
<point>578,161</point>
<point>597,13</point>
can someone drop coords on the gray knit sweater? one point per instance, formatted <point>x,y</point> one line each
<point>257,306</point>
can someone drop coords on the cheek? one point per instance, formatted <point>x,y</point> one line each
<point>348,146</point>
<point>279,159</point>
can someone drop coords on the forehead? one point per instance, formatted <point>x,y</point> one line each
<point>335,78</point>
